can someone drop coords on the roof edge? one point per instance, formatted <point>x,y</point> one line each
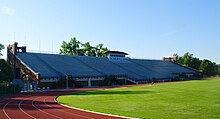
<point>118,52</point>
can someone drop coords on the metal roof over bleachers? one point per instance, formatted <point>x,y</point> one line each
<point>54,65</point>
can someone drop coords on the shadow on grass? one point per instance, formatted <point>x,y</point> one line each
<point>109,92</point>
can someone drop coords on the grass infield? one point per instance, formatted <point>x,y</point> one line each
<point>197,99</point>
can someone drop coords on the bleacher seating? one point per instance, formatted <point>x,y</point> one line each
<point>36,65</point>
<point>52,65</point>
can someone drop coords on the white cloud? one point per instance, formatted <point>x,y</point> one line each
<point>7,10</point>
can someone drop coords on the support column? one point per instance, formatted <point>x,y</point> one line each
<point>89,82</point>
<point>67,81</point>
<point>37,81</point>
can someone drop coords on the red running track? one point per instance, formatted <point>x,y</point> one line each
<point>42,105</point>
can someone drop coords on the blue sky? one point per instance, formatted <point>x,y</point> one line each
<point>148,29</point>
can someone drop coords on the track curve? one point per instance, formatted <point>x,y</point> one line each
<point>42,105</point>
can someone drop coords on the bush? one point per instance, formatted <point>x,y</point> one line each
<point>5,88</point>
<point>6,74</point>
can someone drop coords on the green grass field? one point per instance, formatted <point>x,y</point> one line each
<point>197,99</point>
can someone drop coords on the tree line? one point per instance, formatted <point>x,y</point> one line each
<point>6,74</point>
<point>75,47</point>
<point>1,48</point>
<point>208,67</point>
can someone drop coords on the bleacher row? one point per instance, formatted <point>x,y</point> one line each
<point>54,65</point>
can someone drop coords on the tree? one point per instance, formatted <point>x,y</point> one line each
<point>1,48</point>
<point>195,63</point>
<point>100,50</point>
<point>6,73</point>
<point>215,68</point>
<point>88,49</point>
<point>75,47</point>
<point>207,67</point>
<point>219,69</point>
<point>71,48</point>
<point>178,58</point>
<point>187,59</point>
<point>64,48</point>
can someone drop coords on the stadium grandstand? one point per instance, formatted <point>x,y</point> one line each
<point>55,70</point>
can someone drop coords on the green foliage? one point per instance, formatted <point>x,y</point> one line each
<point>195,63</point>
<point>187,58</point>
<point>100,50</point>
<point>206,66</point>
<point>6,73</point>
<point>75,47</point>
<point>1,48</point>
<point>71,48</point>
<point>88,49</point>
<point>5,88</point>
<point>219,69</point>
<point>196,99</point>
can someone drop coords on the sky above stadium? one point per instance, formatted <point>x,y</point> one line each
<point>148,29</point>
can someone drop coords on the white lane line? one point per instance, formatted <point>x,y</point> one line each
<point>100,113</point>
<point>19,106</point>
<point>44,111</point>
<point>5,111</point>
<point>2,100</point>
<point>66,111</point>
